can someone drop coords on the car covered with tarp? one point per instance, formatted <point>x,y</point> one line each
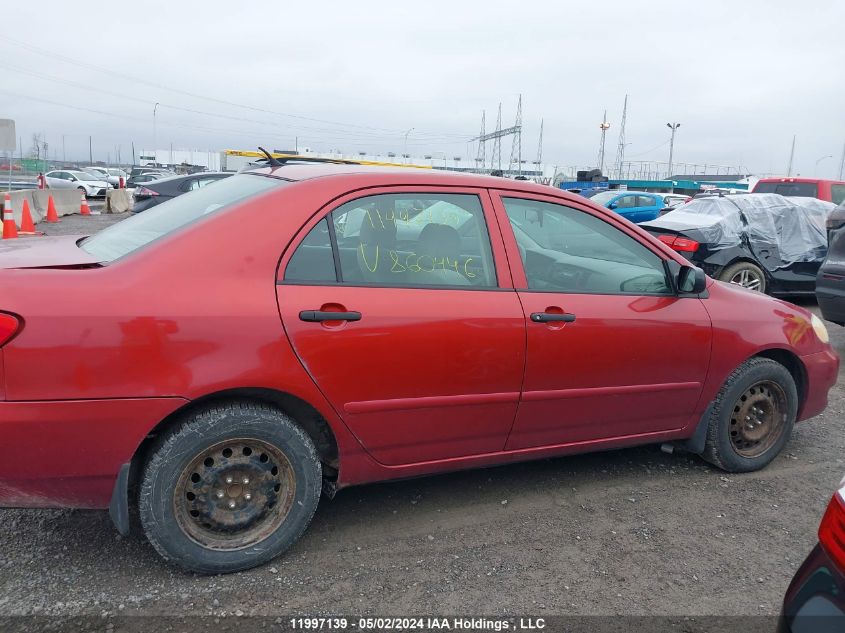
<point>765,242</point>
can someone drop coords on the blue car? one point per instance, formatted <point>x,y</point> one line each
<point>636,206</point>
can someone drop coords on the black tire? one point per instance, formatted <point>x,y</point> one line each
<point>736,272</point>
<point>284,467</point>
<point>732,439</point>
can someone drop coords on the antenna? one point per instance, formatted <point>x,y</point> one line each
<point>620,148</point>
<point>273,162</point>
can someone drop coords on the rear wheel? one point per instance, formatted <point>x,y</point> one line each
<point>752,416</point>
<point>233,486</point>
<point>745,274</point>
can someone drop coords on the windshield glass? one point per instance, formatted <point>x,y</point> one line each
<point>131,234</point>
<point>604,197</point>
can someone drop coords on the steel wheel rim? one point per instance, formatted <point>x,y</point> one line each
<point>758,419</point>
<point>234,494</point>
<point>747,278</point>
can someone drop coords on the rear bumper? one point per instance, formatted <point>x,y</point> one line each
<point>822,373</point>
<point>69,453</point>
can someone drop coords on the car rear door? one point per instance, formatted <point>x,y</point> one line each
<point>424,360</point>
<point>612,351</point>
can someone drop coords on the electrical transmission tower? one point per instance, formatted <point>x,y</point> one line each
<point>496,158</point>
<point>496,137</point>
<point>482,146</point>
<point>516,146</point>
<point>539,161</point>
<point>620,148</point>
<point>604,127</point>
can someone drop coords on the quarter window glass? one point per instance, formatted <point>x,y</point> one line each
<point>414,240</point>
<point>566,250</point>
<point>313,259</point>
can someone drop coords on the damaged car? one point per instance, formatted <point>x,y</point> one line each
<point>765,242</point>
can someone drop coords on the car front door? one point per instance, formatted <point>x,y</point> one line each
<point>612,351</point>
<point>426,360</point>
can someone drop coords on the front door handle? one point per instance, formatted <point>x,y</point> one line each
<point>322,315</point>
<point>548,317</point>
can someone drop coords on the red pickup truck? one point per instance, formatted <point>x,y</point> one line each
<point>830,190</point>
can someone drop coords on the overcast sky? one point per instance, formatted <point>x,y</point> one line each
<point>740,77</point>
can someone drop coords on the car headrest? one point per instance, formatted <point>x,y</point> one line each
<point>376,230</point>
<point>439,240</point>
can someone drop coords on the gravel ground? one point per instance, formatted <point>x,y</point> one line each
<point>625,532</point>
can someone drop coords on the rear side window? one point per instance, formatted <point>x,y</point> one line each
<point>133,233</point>
<point>802,189</point>
<point>837,194</point>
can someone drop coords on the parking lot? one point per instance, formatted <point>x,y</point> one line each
<point>634,531</point>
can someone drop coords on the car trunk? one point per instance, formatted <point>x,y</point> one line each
<point>45,252</point>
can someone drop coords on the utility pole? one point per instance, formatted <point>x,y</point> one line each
<point>64,156</point>
<point>405,153</point>
<point>516,146</point>
<point>791,156</point>
<point>842,163</point>
<point>673,127</point>
<point>155,142</point>
<point>605,126</point>
<point>482,144</point>
<point>90,152</point>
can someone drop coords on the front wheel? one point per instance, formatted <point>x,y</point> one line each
<point>752,416</point>
<point>232,487</point>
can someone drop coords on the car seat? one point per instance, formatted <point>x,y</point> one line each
<point>377,241</point>
<point>437,244</point>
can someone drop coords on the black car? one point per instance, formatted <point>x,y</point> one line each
<point>815,600</point>
<point>830,283</point>
<point>155,192</point>
<point>761,241</point>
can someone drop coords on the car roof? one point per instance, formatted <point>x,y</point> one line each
<point>375,175</point>
<point>799,179</point>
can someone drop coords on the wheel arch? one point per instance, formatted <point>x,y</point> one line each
<point>302,412</point>
<point>782,356</point>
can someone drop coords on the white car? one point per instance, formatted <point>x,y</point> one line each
<point>89,184</point>
<point>111,175</point>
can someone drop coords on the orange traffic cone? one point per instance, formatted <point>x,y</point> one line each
<point>10,229</point>
<point>27,227</point>
<point>84,209</point>
<point>52,216</point>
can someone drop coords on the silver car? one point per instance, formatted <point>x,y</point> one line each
<point>111,175</point>
<point>89,184</point>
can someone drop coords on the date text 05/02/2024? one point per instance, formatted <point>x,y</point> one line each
<point>417,624</point>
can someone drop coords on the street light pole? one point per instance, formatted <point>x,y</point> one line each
<point>816,170</point>
<point>155,107</point>
<point>673,127</point>
<point>406,144</point>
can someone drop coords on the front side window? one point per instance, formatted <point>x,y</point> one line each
<point>406,240</point>
<point>567,250</point>
<point>837,194</point>
<point>626,202</point>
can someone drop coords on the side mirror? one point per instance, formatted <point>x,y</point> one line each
<point>612,205</point>
<point>691,280</point>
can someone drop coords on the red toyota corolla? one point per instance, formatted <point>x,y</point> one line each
<point>223,357</point>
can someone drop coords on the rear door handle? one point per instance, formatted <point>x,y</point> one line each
<point>321,315</point>
<point>548,317</point>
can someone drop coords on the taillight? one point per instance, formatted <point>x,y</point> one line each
<point>9,326</point>
<point>145,191</point>
<point>832,529</point>
<point>680,244</point>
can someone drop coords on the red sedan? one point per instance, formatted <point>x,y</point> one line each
<point>222,358</point>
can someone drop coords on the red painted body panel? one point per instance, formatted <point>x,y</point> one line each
<point>429,380</point>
